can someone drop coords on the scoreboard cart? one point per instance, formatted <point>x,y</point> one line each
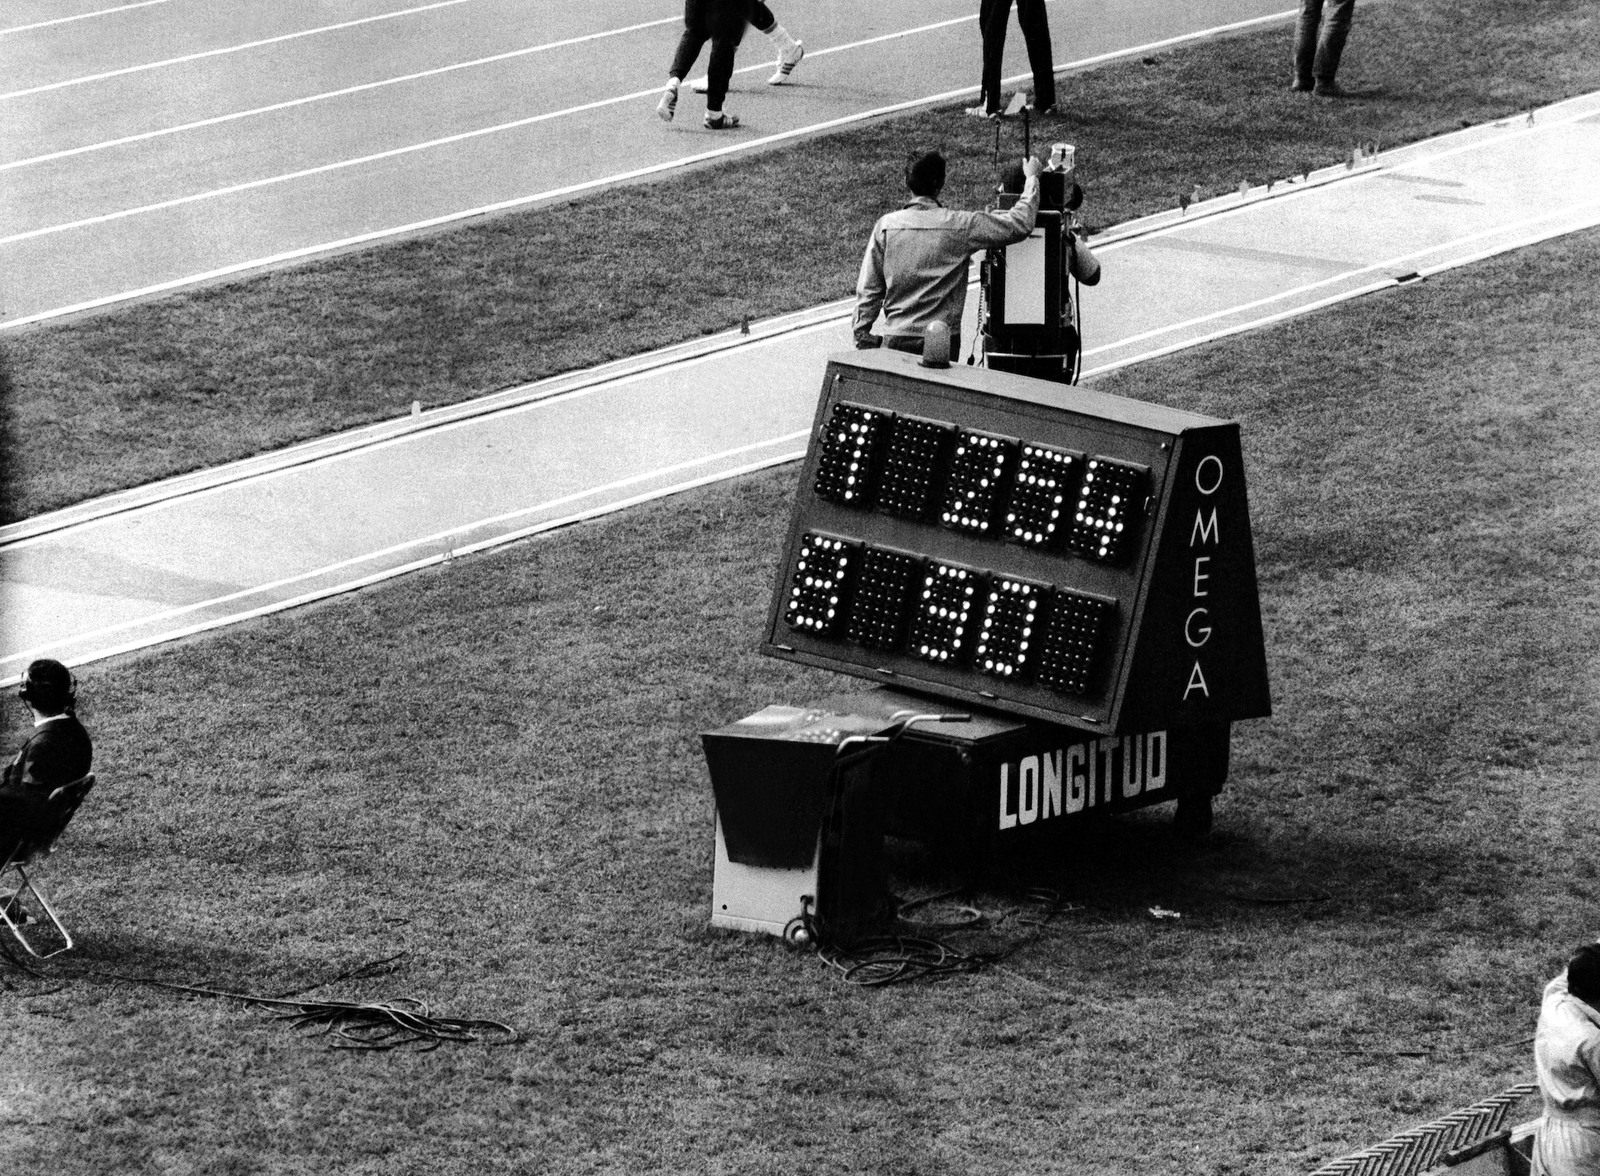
<point>1075,567</point>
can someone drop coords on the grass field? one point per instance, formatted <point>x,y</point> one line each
<point>493,767</point>
<point>143,392</point>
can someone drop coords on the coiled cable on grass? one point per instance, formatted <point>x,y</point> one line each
<point>880,960</point>
<point>893,959</point>
<point>394,1023</point>
<point>376,1025</point>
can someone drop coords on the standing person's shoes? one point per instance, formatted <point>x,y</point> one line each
<point>668,106</point>
<point>721,121</point>
<point>1301,85</point>
<point>1329,89</point>
<point>787,60</point>
<point>983,112</point>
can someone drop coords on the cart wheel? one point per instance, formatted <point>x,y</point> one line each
<point>1192,821</point>
<point>797,934</point>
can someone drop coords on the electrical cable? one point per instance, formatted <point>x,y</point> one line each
<point>881,960</point>
<point>972,916</point>
<point>368,1025</point>
<point>977,331</point>
<point>354,1025</point>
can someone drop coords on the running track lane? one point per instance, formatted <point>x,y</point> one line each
<point>133,164</point>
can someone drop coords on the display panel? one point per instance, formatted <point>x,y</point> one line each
<point>883,597</point>
<point>1045,477</point>
<point>1103,521</point>
<point>1073,630</point>
<point>980,474</point>
<point>820,585</point>
<point>846,462</point>
<point>941,621</point>
<point>912,470</point>
<point>1009,630</point>
<point>1023,545</point>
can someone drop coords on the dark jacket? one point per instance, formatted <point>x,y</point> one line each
<point>58,752</point>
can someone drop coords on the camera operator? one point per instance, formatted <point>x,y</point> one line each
<point>916,263</point>
<point>1081,262</point>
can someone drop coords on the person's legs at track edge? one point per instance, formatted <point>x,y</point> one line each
<point>1041,54</point>
<point>993,16</point>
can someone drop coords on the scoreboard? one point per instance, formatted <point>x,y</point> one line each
<point>1039,549</point>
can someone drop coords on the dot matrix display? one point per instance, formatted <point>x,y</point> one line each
<point>1045,477</point>
<point>1010,623</point>
<point>980,471</point>
<point>1104,514</point>
<point>941,624</point>
<point>845,466</point>
<point>820,585</point>
<point>883,597</point>
<point>912,469</point>
<point>1072,629</point>
<point>1111,521</point>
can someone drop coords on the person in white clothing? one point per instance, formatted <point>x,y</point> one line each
<point>1566,1057</point>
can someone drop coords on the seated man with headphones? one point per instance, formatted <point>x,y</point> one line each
<point>58,752</point>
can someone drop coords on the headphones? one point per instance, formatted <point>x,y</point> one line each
<point>48,685</point>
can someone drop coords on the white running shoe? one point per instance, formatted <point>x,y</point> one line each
<point>721,121</point>
<point>787,60</point>
<point>668,106</point>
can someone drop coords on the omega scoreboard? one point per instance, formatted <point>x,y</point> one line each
<point>1046,551</point>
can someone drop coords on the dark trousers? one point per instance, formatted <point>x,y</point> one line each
<point>993,17</point>
<point>1319,38</point>
<point>722,23</point>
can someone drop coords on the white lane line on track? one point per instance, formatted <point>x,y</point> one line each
<point>430,144</point>
<point>1577,211</point>
<point>131,69</point>
<point>198,124</point>
<point>413,566</point>
<point>61,20</point>
<point>348,90</point>
<point>556,399</point>
<point>554,193</point>
<point>440,537</point>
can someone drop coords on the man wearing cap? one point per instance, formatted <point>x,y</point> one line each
<point>58,752</point>
<point>915,268</point>
<point>1566,1058</point>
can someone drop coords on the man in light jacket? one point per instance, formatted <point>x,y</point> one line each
<point>915,268</point>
